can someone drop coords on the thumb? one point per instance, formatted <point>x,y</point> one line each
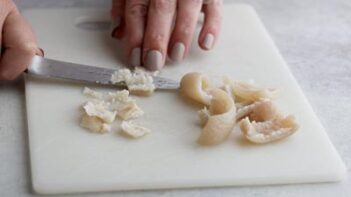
<point>19,46</point>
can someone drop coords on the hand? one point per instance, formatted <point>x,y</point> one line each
<point>149,31</point>
<point>17,42</point>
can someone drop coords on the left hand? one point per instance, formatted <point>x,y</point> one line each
<point>148,27</point>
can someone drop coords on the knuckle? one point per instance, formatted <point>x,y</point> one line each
<point>185,33</point>
<point>184,30</point>
<point>137,8</point>
<point>157,38</point>
<point>186,26</point>
<point>164,5</point>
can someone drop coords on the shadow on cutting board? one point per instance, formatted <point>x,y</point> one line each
<point>96,24</point>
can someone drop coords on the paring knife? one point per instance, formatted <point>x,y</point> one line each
<point>49,68</point>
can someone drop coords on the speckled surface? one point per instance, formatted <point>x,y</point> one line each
<point>314,37</point>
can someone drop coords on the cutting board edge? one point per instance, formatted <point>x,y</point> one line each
<point>43,189</point>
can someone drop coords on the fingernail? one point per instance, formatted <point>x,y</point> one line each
<point>177,52</point>
<point>135,57</point>
<point>40,52</point>
<point>153,60</point>
<point>208,41</point>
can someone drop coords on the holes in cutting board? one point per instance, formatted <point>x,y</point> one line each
<point>90,23</point>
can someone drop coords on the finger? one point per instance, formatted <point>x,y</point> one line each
<point>117,15</point>
<point>212,24</point>
<point>187,17</point>
<point>5,9</point>
<point>158,30</point>
<point>135,23</point>
<point>19,46</point>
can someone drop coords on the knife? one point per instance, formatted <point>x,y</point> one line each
<point>50,68</point>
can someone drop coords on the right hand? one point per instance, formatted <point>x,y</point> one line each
<point>17,42</point>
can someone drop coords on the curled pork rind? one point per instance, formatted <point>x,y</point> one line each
<point>221,120</point>
<point>195,86</point>
<point>268,131</point>
<point>258,111</point>
<point>248,92</point>
<point>259,119</point>
<point>204,115</point>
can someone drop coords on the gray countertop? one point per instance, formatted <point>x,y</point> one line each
<point>314,37</point>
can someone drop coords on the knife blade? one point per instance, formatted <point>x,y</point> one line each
<point>50,68</point>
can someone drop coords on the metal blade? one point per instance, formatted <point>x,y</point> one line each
<point>70,71</point>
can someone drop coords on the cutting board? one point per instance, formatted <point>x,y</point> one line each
<point>66,158</point>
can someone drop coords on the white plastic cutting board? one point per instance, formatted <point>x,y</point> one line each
<point>66,158</point>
